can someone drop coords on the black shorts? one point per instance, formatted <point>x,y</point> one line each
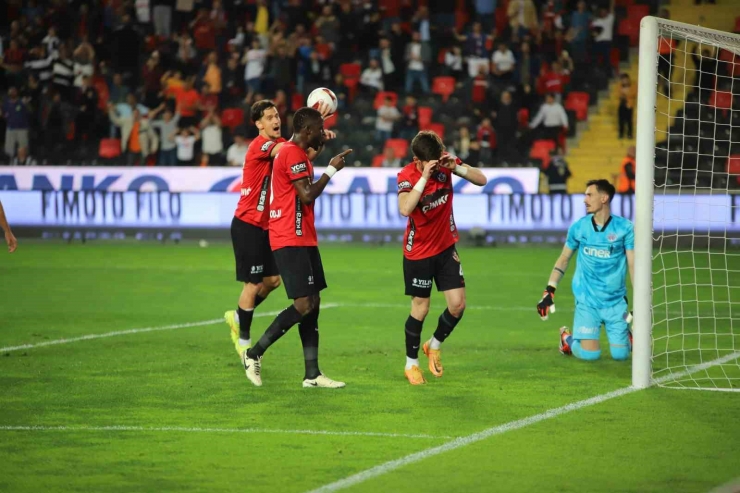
<point>445,268</point>
<point>303,272</point>
<point>254,259</point>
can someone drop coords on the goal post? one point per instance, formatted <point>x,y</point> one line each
<point>686,293</point>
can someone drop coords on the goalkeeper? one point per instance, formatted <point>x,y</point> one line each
<point>605,244</point>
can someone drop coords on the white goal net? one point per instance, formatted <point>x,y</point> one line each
<point>688,128</point>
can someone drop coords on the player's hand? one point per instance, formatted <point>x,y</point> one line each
<point>428,168</point>
<point>12,242</point>
<point>628,314</point>
<point>448,161</point>
<point>324,109</point>
<point>547,303</point>
<point>338,161</point>
<point>328,135</point>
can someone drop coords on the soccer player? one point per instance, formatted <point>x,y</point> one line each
<point>255,265</point>
<point>425,197</point>
<point>605,244</point>
<point>295,246</point>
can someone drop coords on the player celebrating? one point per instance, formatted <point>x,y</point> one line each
<point>255,265</point>
<point>425,197</point>
<point>295,246</point>
<point>605,243</point>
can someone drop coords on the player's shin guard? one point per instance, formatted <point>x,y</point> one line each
<point>413,337</point>
<point>245,322</point>
<point>309,331</point>
<point>583,354</point>
<point>446,325</point>
<point>282,323</point>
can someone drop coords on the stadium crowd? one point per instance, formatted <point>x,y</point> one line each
<point>169,82</point>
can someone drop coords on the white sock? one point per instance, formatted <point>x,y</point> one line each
<point>236,317</point>
<point>245,342</point>
<point>434,343</point>
<point>411,362</point>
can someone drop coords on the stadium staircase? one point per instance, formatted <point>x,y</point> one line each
<point>596,151</point>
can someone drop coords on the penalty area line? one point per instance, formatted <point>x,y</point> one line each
<point>460,442</point>
<point>182,429</point>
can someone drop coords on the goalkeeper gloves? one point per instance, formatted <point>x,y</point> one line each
<point>546,304</point>
<point>628,313</point>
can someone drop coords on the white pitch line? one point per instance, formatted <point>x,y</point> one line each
<point>183,429</point>
<point>457,443</point>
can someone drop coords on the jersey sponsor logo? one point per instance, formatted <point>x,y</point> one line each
<point>298,217</point>
<point>299,168</point>
<point>257,269</point>
<point>453,226</point>
<point>246,191</point>
<point>597,252</point>
<point>276,213</point>
<point>435,203</point>
<point>266,145</point>
<point>410,239</point>
<point>310,280</point>
<point>441,177</point>
<point>404,185</point>
<point>421,283</point>
<point>611,237</point>
<point>263,194</point>
<point>587,331</point>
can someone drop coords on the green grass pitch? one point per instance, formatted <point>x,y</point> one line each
<point>167,410</point>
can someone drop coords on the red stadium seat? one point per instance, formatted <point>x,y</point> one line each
<point>637,12</point>
<point>297,101</point>
<point>399,146</point>
<point>444,86</point>
<point>380,98</point>
<point>523,117</point>
<point>541,150</point>
<point>578,102</point>
<point>351,85</point>
<point>331,121</point>
<point>350,70</point>
<point>232,117</point>
<point>733,166</point>
<point>615,58</point>
<point>631,29</point>
<point>425,117</point>
<point>437,128</point>
<point>110,148</point>
<point>103,93</point>
<point>378,161</point>
<point>721,100</point>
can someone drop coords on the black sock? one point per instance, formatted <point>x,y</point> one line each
<point>446,325</point>
<point>413,337</point>
<point>245,322</point>
<point>258,300</point>
<point>282,323</point>
<point>309,331</point>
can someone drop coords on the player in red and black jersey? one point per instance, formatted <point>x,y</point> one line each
<point>255,265</point>
<point>295,245</point>
<point>429,254</point>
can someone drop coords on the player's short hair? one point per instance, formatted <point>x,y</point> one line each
<point>259,108</point>
<point>603,186</point>
<point>305,117</point>
<point>427,146</point>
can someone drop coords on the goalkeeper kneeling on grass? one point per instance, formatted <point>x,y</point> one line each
<point>605,244</point>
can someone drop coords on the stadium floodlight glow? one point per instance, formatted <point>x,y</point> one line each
<point>687,281</point>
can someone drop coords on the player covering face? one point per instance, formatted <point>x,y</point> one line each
<point>255,263</point>
<point>295,246</point>
<point>425,197</point>
<point>605,244</point>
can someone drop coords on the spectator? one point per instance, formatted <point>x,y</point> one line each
<point>212,140</point>
<point>188,103</point>
<point>372,77</point>
<point>461,147</point>
<point>387,116</point>
<point>281,68</point>
<point>151,75</point>
<point>328,26</point>
<point>162,13</point>
<point>23,158</point>
<point>232,81</point>
<point>388,65</point>
<point>16,115</point>
<point>185,140</point>
<point>389,159</point>
<point>486,138</point>
<point>84,57</point>
<point>348,31</point>
<point>503,63</point>
<point>506,122</point>
<point>63,73</point>
<point>53,125</point>
<point>212,74</point>
<point>318,73</point>
<point>410,120</point>
<point>578,34</point>
<point>254,66</point>
<point>125,48</point>
<point>557,173</point>
<point>553,118</point>
<point>117,91</point>
<point>87,103</point>
<point>51,42</point>
<point>528,66</point>
<point>186,51</point>
<point>476,50</point>
<point>167,127</point>
<point>138,138</point>
<point>626,181</point>
<point>603,32</point>
<point>340,91</point>
<point>454,63</point>
<point>415,71</point>
<point>41,65</point>
<point>522,17</point>
<point>627,99</point>
<point>204,31</point>
<point>480,89</point>
<point>485,10</point>
<point>423,26</point>
<point>553,81</point>
<point>237,152</point>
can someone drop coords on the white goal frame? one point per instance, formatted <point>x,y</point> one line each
<point>644,186</point>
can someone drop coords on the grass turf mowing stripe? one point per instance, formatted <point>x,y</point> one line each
<point>506,427</point>
<point>183,429</point>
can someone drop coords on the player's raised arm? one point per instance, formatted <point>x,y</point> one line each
<point>307,191</point>
<point>547,303</point>
<point>9,237</point>
<point>407,201</point>
<point>455,164</point>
